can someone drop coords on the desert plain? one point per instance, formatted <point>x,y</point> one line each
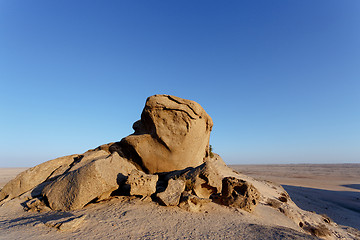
<point>329,189</point>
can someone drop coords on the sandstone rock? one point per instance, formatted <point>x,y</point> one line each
<point>141,183</point>
<point>88,157</point>
<point>203,181</point>
<point>320,230</point>
<point>217,161</point>
<point>206,180</point>
<point>77,188</point>
<point>66,224</point>
<point>171,196</point>
<point>34,176</point>
<point>191,202</point>
<point>35,205</point>
<point>238,193</point>
<point>173,134</point>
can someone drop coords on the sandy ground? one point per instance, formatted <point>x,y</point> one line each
<point>146,220</point>
<point>331,189</point>
<point>327,189</point>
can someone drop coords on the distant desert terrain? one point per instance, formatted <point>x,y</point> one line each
<point>333,177</point>
<point>6,174</point>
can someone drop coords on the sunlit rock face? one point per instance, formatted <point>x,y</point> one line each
<point>173,134</point>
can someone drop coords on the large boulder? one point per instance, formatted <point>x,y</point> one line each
<point>34,176</point>
<point>92,181</point>
<point>173,134</point>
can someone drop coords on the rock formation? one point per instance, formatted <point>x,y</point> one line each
<point>95,180</point>
<point>173,134</point>
<point>167,160</point>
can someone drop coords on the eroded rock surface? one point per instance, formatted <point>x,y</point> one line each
<point>238,193</point>
<point>141,183</point>
<point>66,224</point>
<point>205,180</point>
<point>192,203</point>
<point>173,134</point>
<point>171,195</point>
<point>93,180</point>
<point>34,176</point>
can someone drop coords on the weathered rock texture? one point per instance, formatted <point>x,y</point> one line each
<point>238,193</point>
<point>173,134</point>
<point>66,224</point>
<point>205,180</point>
<point>91,181</point>
<point>171,195</point>
<point>191,202</point>
<point>32,177</point>
<point>141,183</point>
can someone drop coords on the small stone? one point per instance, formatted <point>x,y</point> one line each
<point>171,196</point>
<point>66,224</point>
<point>35,205</point>
<point>191,202</point>
<point>141,183</point>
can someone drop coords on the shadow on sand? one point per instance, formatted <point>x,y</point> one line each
<point>35,219</point>
<point>341,206</point>
<point>353,186</point>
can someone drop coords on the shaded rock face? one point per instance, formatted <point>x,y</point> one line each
<point>205,180</point>
<point>173,134</point>
<point>171,195</point>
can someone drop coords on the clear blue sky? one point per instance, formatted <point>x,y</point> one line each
<point>281,79</point>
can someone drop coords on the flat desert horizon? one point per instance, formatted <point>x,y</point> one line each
<point>327,189</point>
<point>330,189</point>
<point>332,177</point>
